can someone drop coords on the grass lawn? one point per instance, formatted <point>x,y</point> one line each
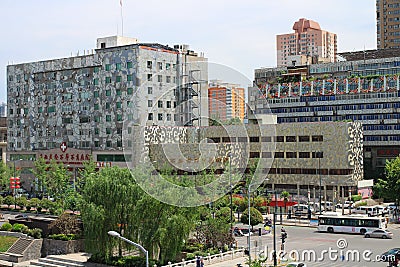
<point>6,242</point>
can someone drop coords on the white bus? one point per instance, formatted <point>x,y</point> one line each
<point>356,224</point>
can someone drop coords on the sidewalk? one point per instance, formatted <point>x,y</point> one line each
<point>230,263</point>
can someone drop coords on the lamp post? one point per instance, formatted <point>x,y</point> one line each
<point>249,225</point>
<point>320,182</point>
<point>118,235</point>
<point>230,186</point>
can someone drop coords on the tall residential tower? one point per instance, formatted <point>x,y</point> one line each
<point>388,23</point>
<point>307,44</point>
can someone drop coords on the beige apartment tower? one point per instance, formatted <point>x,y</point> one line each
<point>388,23</point>
<point>308,44</point>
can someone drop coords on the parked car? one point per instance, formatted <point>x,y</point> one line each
<point>392,256</point>
<point>382,210</point>
<point>379,233</point>
<point>347,205</point>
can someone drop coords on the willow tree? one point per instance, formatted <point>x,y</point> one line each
<point>108,199</point>
<point>112,200</point>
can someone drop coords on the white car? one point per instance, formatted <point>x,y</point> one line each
<point>296,264</point>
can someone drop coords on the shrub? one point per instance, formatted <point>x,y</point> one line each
<point>130,261</point>
<point>255,217</point>
<point>63,237</point>
<point>190,256</point>
<point>66,224</point>
<point>35,233</point>
<point>20,228</point>
<point>6,227</point>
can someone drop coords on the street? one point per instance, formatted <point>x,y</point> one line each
<point>322,249</point>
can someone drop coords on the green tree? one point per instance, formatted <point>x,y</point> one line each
<point>224,214</point>
<point>9,200</point>
<point>389,188</point>
<point>21,202</point>
<point>34,203</point>
<point>255,217</point>
<point>285,195</point>
<point>5,173</point>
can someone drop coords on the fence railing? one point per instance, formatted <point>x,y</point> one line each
<point>210,259</point>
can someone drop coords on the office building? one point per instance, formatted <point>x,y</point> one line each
<point>225,101</point>
<point>372,100</point>
<point>387,24</point>
<point>290,156</point>
<point>308,44</point>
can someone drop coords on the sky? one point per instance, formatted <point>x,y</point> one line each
<point>234,33</point>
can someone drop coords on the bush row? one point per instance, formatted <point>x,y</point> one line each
<point>21,228</point>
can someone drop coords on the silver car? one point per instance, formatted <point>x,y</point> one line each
<point>379,234</point>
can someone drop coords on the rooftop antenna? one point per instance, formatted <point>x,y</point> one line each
<point>122,19</point>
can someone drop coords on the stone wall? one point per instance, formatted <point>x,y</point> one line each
<point>59,247</point>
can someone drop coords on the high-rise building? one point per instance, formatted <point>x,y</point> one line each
<point>388,24</point>
<point>225,101</point>
<point>307,44</point>
<point>78,105</point>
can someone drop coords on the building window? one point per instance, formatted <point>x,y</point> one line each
<point>149,90</point>
<point>96,144</point>
<point>254,155</point>
<point>96,106</point>
<point>149,103</point>
<point>96,131</point>
<point>150,116</point>
<point>119,143</point>
<point>129,77</point>
<point>160,104</point>
<point>168,117</point>
<point>129,91</point>
<point>159,78</point>
<point>279,139</point>
<point>160,116</point>
<point>118,79</point>
<point>167,66</point>
<point>96,81</point>
<point>290,138</point>
<point>118,66</point>
<point>108,92</point>
<point>254,139</point>
<point>168,104</point>
<point>159,64</point>
<point>108,143</point>
<point>318,155</point>
<point>304,155</point>
<point>118,92</point>
<point>168,79</point>
<point>97,119</point>
<point>96,94</point>
<point>108,118</point>
<point>149,77</point>
<point>129,65</point>
<point>119,117</point>
<point>149,64</point>
<point>291,155</point>
<point>279,155</point>
<point>317,138</point>
<point>118,105</point>
<point>51,109</point>
<point>108,130</point>
<point>96,69</point>
<point>108,79</point>
<point>304,138</point>
<point>108,106</point>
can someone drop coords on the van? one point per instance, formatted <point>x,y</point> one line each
<point>369,210</point>
<point>300,210</point>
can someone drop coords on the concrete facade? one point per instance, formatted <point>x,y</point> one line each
<point>287,154</point>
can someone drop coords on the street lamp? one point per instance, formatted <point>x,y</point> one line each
<point>230,186</point>
<point>274,226</point>
<point>116,234</point>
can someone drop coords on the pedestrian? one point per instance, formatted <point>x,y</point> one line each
<point>201,262</point>
<point>198,261</point>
